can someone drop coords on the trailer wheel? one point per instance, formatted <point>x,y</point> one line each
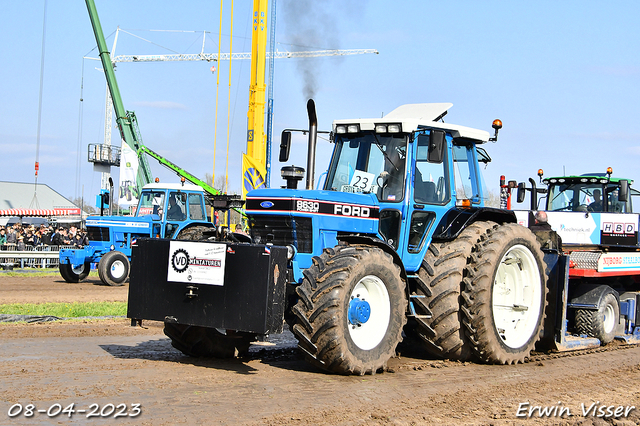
<point>351,310</point>
<point>74,275</point>
<point>113,268</point>
<point>198,341</point>
<point>441,274</point>
<point>505,295</point>
<point>600,323</point>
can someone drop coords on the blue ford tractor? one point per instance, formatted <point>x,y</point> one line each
<point>396,241</point>
<point>164,211</point>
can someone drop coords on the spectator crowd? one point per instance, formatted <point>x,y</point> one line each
<point>21,236</point>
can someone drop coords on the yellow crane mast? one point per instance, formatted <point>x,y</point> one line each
<point>254,161</point>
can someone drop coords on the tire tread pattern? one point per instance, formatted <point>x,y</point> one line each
<point>321,322</point>
<point>442,271</point>
<point>477,293</point>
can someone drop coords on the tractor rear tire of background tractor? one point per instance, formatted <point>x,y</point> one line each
<point>74,275</point>
<point>600,323</point>
<point>504,298</point>
<point>351,310</point>
<point>113,268</point>
<point>441,274</point>
<point>195,233</point>
<point>197,341</point>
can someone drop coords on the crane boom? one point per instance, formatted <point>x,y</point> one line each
<point>126,120</point>
<point>212,57</point>
<point>125,125</point>
<point>256,148</point>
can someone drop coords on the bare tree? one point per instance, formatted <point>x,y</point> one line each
<point>82,203</point>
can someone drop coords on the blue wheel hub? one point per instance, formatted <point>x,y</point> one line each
<point>359,311</point>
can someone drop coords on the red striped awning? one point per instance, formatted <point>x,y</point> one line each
<point>40,212</point>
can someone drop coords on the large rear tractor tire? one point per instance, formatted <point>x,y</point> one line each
<point>74,275</point>
<point>194,233</point>
<point>505,293</point>
<point>113,268</point>
<point>197,341</point>
<point>442,273</point>
<point>600,323</point>
<point>351,310</point>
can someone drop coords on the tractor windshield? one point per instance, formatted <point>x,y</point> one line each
<point>584,197</point>
<point>369,163</point>
<point>151,202</point>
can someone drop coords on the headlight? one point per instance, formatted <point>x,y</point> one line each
<point>341,129</point>
<point>353,128</point>
<point>395,128</point>
<point>291,252</point>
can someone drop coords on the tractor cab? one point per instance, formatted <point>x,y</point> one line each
<point>399,179</point>
<point>170,206</point>
<point>593,192</point>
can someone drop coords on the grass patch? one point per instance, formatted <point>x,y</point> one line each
<point>28,272</point>
<point>66,310</point>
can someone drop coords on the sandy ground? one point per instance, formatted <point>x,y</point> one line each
<point>108,362</point>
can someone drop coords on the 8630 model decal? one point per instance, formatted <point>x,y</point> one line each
<point>313,206</point>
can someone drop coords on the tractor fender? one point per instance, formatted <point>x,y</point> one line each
<point>188,225</point>
<point>589,296</point>
<point>373,241</point>
<point>457,219</point>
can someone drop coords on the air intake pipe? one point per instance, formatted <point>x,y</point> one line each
<point>313,136</point>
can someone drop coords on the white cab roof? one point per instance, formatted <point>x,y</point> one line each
<point>173,186</point>
<point>413,115</point>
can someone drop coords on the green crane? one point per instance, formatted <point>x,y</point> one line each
<point>126,120</point>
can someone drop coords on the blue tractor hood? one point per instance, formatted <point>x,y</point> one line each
<point>310,220</point>
<point>318,202</point>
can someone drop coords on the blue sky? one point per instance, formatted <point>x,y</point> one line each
<point>562,76</point>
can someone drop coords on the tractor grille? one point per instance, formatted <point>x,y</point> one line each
<point>96,233</point>
<point>282,231</point>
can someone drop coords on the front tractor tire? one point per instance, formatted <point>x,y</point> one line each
<point>74,275</point>
<point>351,310</point>
<point>504,299</point>
<point>113,268</point>
<point>198,341</point>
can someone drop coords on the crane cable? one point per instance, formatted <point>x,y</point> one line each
<point>215,130</point>
<point>34,202</point>
<point>226,175</point>
<point>79,143</point>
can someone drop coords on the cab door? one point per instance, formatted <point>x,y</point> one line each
<point>176,212</point>
<point>429,193</point>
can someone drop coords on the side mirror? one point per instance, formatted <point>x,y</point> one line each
<point>436,146</point>
<point>285,146</point>
<point>521,192</point>
<point>623,193</point>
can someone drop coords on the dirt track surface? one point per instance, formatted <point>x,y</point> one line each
<point>109,362</point>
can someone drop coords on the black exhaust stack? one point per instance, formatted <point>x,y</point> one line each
<point>313,136</point>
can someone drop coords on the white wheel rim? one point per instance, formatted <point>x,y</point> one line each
<point>117,269</point>
<point>369,334</point>
<point>516,297</point>
<point>609,318</point>
<point>77,269</point>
